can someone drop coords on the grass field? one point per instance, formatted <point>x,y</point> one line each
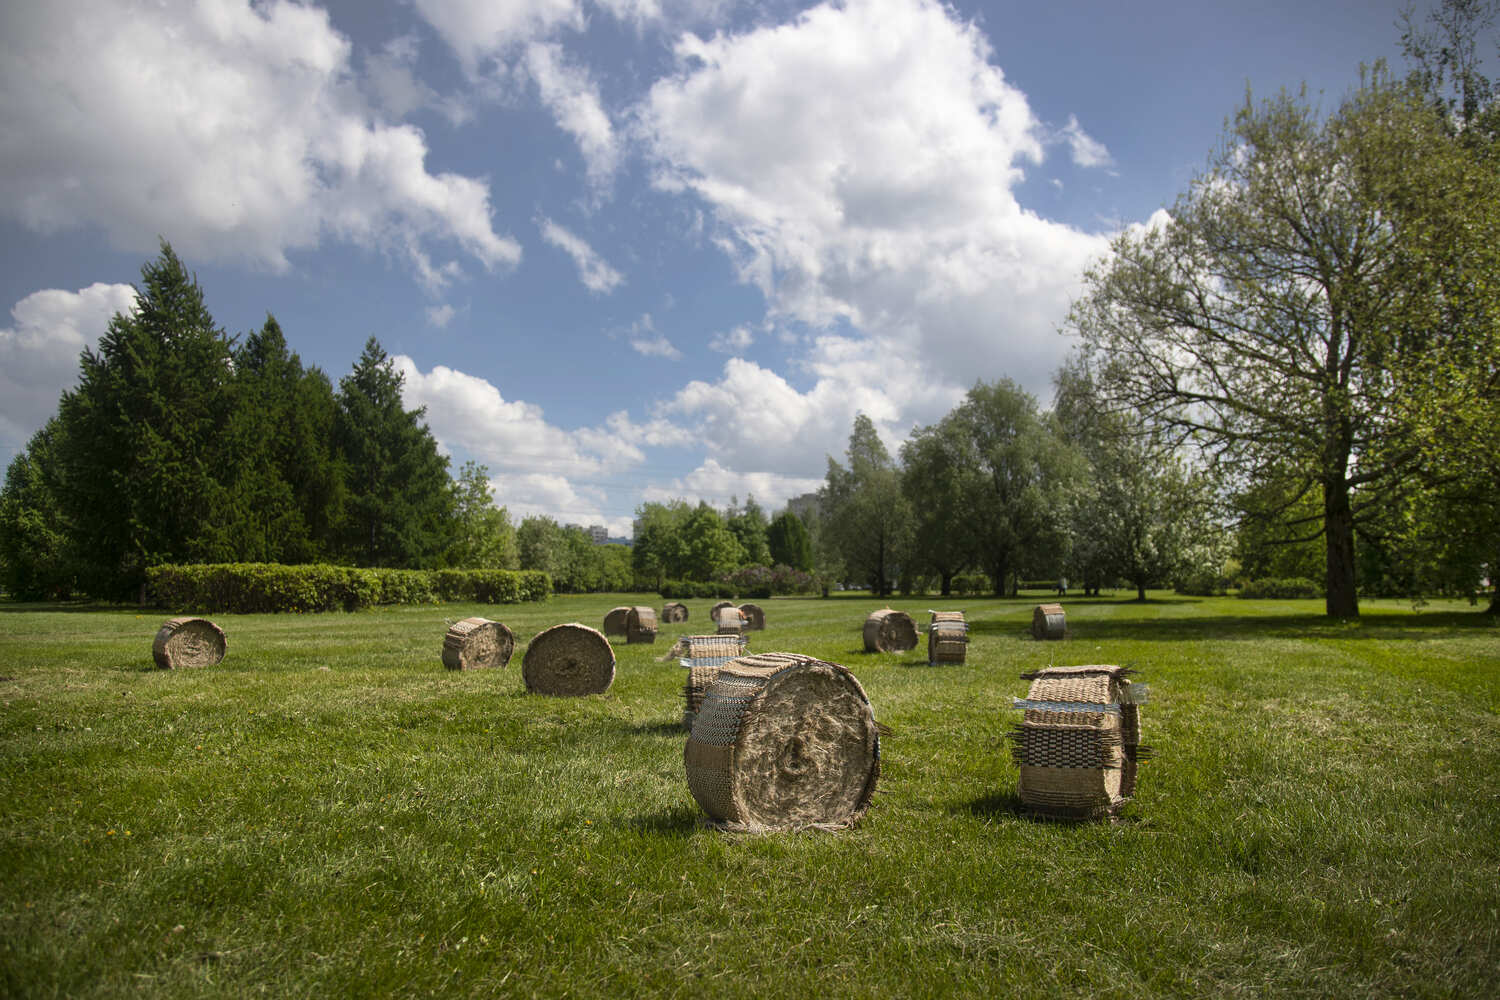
<point>330,813</point>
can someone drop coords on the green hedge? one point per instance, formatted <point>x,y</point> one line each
<point>682,589</point>
<point>271,587</point>
<point>1289,587</point>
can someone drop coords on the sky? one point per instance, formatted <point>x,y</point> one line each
<point>622,251</point>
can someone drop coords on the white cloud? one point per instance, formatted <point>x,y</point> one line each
<point>597,276</point>
<point>858,163</point>
<point>716,485</point>
<point>390,79</point>
<point>440,316</point>
<point>478,30</point>
<point>232,129</point>
<point>732,341</point>
<point>1087,151</point>
<point>657,346</point>
<point>573,98</point>
<point>39,352</point>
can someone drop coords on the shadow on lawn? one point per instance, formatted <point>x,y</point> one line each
<point>675,821</point>
<point>1372,626</point>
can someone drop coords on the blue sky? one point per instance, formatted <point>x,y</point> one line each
<point>622,250</point>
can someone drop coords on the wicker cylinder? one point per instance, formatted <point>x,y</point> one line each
<point>477,644</point>
<point>754,616</point>
<point>713,612</point>
<point>947,642</point>
<point>693,688</point>
<point>783,741</point>
<point>1078,742</point>
<point>568,660</point>
<point>1048,622</point>
<point>731,621</point>
<point>617,621</point>
<point>640,624</point>
<point>188,642</point>
<point>888,631</point>
<point>673,613</point>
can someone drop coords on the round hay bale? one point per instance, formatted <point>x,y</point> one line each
<point>1048,622</point>
<point>947,642</point>
<point>713,612</point>
<point>1078,742</point>
<point>947,616</point>
<point>640,624</point>
<point>888,631</point>
<point>617,621</point>
<point>730,619</point>
<point>477,644</point>
<point>568,660</point>
<point>754,616</point>
<point>783,741</point>
<point>673,613</point>
<point>188,642</point>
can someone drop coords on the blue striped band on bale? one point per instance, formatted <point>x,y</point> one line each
<point>477,644</point>
<point>568,660</point>
<point>188,642</point>
<point>783,741</point>
<point>703,655</point>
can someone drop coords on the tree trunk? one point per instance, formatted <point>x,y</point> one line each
<point>1001,572</point>
<point>1140,588</point>
<point>947,584</point>
<point>1338,526</point>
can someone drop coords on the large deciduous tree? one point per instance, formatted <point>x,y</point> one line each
<point>789,542</point>
<point>867,518</point>
<point>941,481</point>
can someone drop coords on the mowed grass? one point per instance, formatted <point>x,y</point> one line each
<point>331,813</point>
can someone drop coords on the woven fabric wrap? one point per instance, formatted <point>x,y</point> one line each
<point>1078,741</point>
<point>569,659</point>
<point>617,621</point>
<point>947,638</point>
<point>477,644</point>
<point>673,613</point>
<point>888,631</point>
<point>754,616</point>
<point>711,650</point>
<point>783,741</point>
<point>1048,622</point>
<point>640,624</point>
<point>946,616</point>
<point>188,642</point>
<point>698,680</point>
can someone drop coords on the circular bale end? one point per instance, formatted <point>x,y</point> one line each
<point>188,642</point>
<point>754,616</point>
<point>568,660</point>
<point>674,613</point>
<point>477,644</point>
<point>888,631</point>
<point>617,622</point>
<point>640,625</point>
<point>1048,622</point>
<point>783,741</point>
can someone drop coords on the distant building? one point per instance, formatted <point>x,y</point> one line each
<point>805,506</point>
<point>598,533</point>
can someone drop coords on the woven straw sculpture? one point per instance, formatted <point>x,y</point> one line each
<point>673,613</point>
<point>1079,741</point>
<point>569,659</point>
<point>703,655</point>
<point>754,616</point>
<point>617,621</point>
<point>730,619</point>
<point>713,612</point>
<point>888,631</point>
<point>1048,622</point>
<point>783,742</point>
<point>640,624</point>
<point>947,638</point>
<point>477,644</point>
<point>188,642</point>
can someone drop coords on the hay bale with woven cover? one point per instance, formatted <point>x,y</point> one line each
<point>947,638</point>
<point>730,619</point>
<point>568,660</point>
<point>640,624</point>
<point>713,612</point>
<point>783,741</point>
<point>673,613</point>
<point>754,617</point>
<point>1048,622</point>
<point>477,644</point>
<point>617,622</point>
<point>1078,742</point>
<point>188,642</point>
<point>703,655</point>
<point>889,631</point>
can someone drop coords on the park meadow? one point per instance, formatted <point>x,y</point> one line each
<point>330,812</point>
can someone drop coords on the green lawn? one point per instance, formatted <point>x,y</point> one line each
<point>331,813</point>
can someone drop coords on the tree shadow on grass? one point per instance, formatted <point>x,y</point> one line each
<point>74,607</point>
<point>1372,626</point>
<point>1008,805</point>
<point>680,821</point>
<point>673,727</point>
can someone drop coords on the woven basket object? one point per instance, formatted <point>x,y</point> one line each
<point>673,613</point>
<point>730,620</point>
<point>477,644</point>
<point>713,612</point>
<point>703,655</point>
<point>569,659</point>
<point>1079,741</point>
<point>783,742</point>
<point>188,642</point>
<point>640,624</point>
<point>947,638</point>
<point>1048,622</point>
<point>888,631</point>
<point>754,616</point>
<point>617,621</point>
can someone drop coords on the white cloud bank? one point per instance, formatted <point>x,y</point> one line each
<point>595,273</point>
<point>233,129</point>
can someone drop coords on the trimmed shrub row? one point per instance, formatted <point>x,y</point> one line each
<point>680,589</point>
<point>255,588</point>
<point>1289,587</point>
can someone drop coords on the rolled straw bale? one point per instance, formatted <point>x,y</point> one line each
<point>713,612</point>
<point>617,621</point>
<point>1048,622</point>
<point>947,642</point>
<point>1078,742</point>
<point>754,616</point>
<point>640,624</point>
<point>888,631</point>
<point>569,659</point>
<point>947,616</point>
<point>697,682</point>
<point>783,741</point>
<point>673,613</point>
<point>477,644</point>
<point>188,642</point>
<point>703,655</point>
<point>731,620</point>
